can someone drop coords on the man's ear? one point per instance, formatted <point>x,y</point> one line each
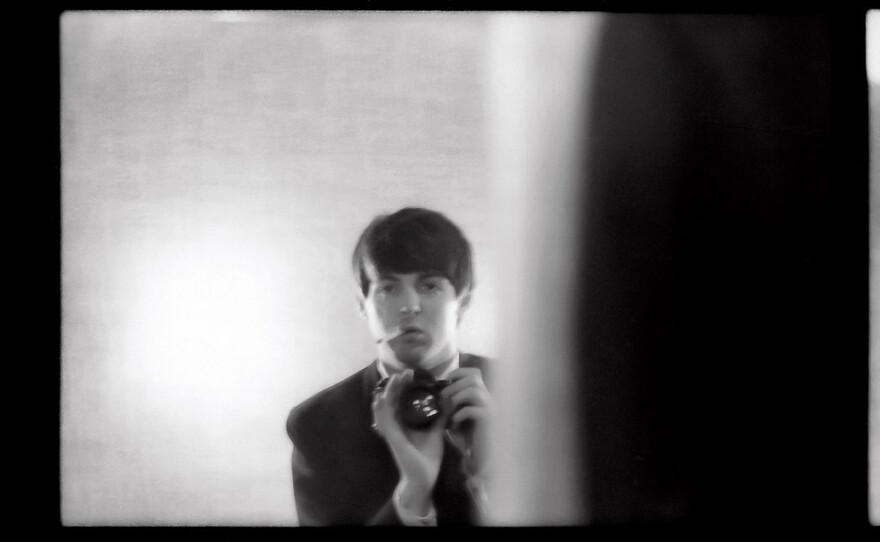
<point>464,303</point>
<point>359,298</point>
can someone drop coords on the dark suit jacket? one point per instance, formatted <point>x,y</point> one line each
<point>344,473</point>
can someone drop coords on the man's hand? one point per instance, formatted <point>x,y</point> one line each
<point>471,409</point>
<point>418,453</point>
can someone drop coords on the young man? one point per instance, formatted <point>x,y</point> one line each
<point>356,457</point>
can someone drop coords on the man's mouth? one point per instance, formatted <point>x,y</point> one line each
<point>402,331</point>
<point>411,335</point>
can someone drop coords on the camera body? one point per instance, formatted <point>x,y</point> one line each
<point>420,404</point>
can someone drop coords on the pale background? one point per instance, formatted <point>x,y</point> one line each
<point>873,68</point>
<point>216,171</point>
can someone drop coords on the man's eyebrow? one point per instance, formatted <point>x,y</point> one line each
<point>422,275</point>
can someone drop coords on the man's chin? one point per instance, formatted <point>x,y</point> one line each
<point>411,362</point>
<point>412,358</point>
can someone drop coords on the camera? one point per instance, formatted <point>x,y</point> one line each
<point>420,404</point>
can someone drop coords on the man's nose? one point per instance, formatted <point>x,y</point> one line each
<point>410,301</point>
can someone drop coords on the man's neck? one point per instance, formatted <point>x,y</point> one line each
<point>440,370</point>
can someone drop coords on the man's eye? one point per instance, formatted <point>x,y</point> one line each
<point>386,288</point>
<point>431,286</point>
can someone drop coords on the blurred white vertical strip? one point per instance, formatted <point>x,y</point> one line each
<point>540,65</point>
<point>873,68</point>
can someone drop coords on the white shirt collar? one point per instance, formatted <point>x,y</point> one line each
<point>452,366</point>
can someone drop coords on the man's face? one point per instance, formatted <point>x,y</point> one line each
<point>424,306</point>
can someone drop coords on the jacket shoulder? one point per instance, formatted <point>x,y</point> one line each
<point>484,364</point>
<point>475,360</point>
<point>325,406</point>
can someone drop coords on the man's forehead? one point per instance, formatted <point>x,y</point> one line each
<point>375,274</point>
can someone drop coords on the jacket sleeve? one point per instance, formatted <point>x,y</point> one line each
<point>317,488</point>
<point>312,505</point>
<point>386,515</point>
<point>315,496</point>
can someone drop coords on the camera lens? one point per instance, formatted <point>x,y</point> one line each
<point>419,405</point>
<point>420,402</point>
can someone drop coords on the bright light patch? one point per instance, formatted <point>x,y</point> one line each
<point>200,313</point>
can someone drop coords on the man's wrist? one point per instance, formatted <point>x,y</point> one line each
<point>414,507</point>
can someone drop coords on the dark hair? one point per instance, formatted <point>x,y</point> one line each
<point>412,240</point>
